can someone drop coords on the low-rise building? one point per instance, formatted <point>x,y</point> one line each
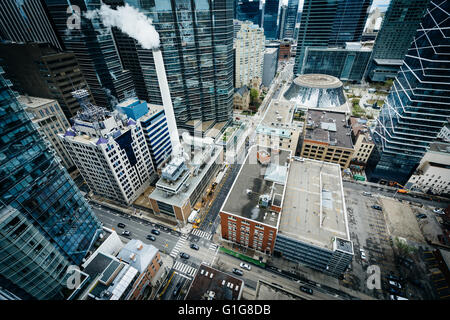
<point>212,284</point>
<point>241,98</point>
<point>147,260</point>
<point>48,116</point>
<point>433,172</point>
<point>285,50</point>
<point>183,181</point>
<point>327,137</point>
<point>363,143</point>
<point>110,151</point>
<point>291,207</point>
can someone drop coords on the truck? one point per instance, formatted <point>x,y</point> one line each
<point>194,217</point>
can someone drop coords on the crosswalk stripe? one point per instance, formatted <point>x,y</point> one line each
<point>202,234</point>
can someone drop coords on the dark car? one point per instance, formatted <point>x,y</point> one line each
<point>184,255</point>
<point>154,231</point>
<point>306,290</point>
<point>376,207</point>
<point>392,277</point>
<point>238,271</point>
<point>194,246</point>
<point>421,216</point>
<point>394,291</point>
<point>121,225</point>
<point>150,237</point>
<point>177,289</point>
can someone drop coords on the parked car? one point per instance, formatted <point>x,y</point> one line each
<point>154,231</point>
<point>393,297</point>
<point>438,211</point>
<point>421,216</point>
<point>368,194</point>
<point>194,246</point>
<point>238,271</point>
<point>395,284</point>
<point>184,255</point>
<point>245,266</point>
<point>121,225</point>
<point>377,207</point>
<point>126,233</point>
<point>363,254</point>
<point>306,290</point>
<point>394,290</point>
<point>150,237</point>
<point>392,277</point>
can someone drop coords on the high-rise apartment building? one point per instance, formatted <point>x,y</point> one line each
<point>290,20</point>
<point>47,114</point>
<point>250,48</point>
<point>27,21</point>
<point>397,31</point>
<point>418,104</point>
<point>270,19</point>
<point>45,223</point>
<point>249,11</point>
<point>197,48</point>
<point>329,24</point>
<point>110,151</point>
<point>154,124</point>
<point>39,70</point>
<point>94,47</point>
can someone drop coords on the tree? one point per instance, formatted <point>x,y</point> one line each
<point>253,95</point>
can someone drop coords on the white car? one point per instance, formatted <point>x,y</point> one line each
<point>245,266</point>
<point>363,254</point>
<point>438,211</point>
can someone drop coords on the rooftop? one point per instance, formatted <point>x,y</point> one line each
<point>34,102</point>
<point>212,284</point>
<point>138,254</point>
<point>328,127</point>
<point>440,147</point>
<point>255,180</point>
<point>389,62</point>
<point>313,208</point>
<point>267,291</point>
<point>359,126</point>
<point>314,80</point>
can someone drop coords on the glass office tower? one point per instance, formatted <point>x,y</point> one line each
<point>45,223</point>
<point>248,11</point>
<point>270,19</point>
<point>418,103</point>
<point>290,19</point>
<point>95,50</point>
<point>329,23</point>
<point>197,47</point>
<point>394,38</point>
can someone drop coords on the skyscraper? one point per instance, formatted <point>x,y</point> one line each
<point>282,24</point>
<point>26,21</point>
<point>93,45</point>
<point>394,38</point>
<point>270,19</point>
<point>418,103</point>
<point>328,23</point>
<point>45,223</point>
<point>197,48</point>
<point>249,11</point>
<point>290,20</point>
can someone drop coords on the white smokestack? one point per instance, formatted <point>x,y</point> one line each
<point>138,26</point>
<point>130,21</point>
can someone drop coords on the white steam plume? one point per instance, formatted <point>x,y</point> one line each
<point>130,21</point>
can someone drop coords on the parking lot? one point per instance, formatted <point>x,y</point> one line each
<point>370,230</point>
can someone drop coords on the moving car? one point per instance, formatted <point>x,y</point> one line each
<point>238,271</point>
<point>194,246</point>
<point>395,284</point>
<point>421,216</point>
<point>438,211</point>
<point>306,290</point>
<point>150,237</point>
<point>177,289</point>
<point>126,233</point>
<point>184,255</point>
<point>394,291</point>
<point>121,225</point>
<point>368,194</point>
<point>392,297</point>
<point>245,266</point>
<point>363,254</point>
<point>154,231</point>
<point>376,207</point>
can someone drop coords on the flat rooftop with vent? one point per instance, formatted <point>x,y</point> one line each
<point>212,284</point>
<point>314,207</point>
<point>259,186</point>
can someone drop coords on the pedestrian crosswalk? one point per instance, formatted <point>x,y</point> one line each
<point>178,246</point>
<point>201,234</point>
<point>184,268</point>
<point>213,247</point>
